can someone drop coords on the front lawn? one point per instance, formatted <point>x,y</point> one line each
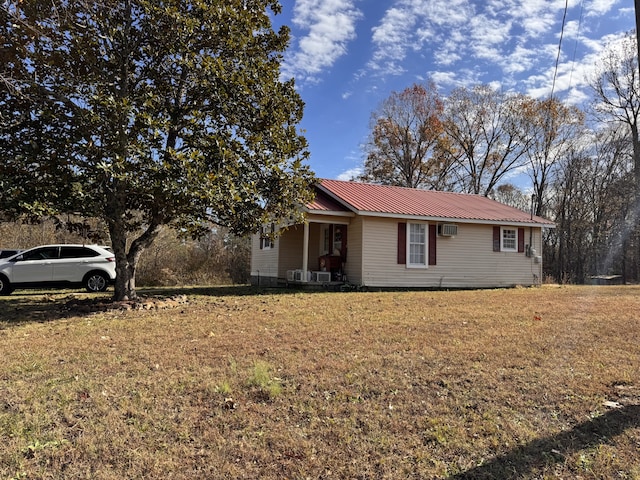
<point>518,383</point>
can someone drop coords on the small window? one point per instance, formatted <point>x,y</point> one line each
<point>44,253</point>
<point>77,252</point>
<point>266,237</point>
<point>337,240</point>
<point>417,245</point>
<point>509,240</point>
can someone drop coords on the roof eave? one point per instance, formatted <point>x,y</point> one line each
<point>332,213</point>
<point>424,218</point>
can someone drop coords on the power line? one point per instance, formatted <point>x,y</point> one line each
<point>564,21</point>
<point>575,48</point>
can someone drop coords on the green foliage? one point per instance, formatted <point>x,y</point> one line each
<point>144,113</point>
<point>262,379</point>
<point>224,388</point>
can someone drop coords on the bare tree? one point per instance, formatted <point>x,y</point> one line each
<point>485,136</point>
<point>617,92</point>
<point>552,130</point>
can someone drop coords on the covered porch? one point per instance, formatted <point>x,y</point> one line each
<point>314,253</point>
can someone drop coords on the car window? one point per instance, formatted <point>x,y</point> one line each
<point>77,252</point>
<point>43,253</point>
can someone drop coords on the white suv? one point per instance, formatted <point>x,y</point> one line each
<point>90,266</point>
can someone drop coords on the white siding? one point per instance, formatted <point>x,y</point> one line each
<point>264,262</point>
<point>466,260</point>
<point>290,248</point>
<point>353,265</point>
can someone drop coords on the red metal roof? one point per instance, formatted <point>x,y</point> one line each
<point>384,200</point>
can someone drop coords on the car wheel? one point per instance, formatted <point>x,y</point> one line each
<point>96,282</point>
<point>5,286</point>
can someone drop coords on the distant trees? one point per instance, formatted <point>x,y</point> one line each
<point>617,98</point>
<point>592,192</point>
<point>143,114</point>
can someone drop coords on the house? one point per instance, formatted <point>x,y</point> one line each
<point>394,237</point>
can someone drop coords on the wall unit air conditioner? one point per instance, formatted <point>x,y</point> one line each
<point>295,275</point>
<point>448,230</point>
<point>323,276</point>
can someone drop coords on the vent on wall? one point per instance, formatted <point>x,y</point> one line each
<point>448,230</point>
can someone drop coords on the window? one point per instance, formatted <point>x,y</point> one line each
<point>266,237</point>
<point>404,239</point>
<point>337,240</point>
<point>77,252</point>
<point>509,240</point>
<point>44,253</point>
<point>325,239</point>
<point>417,245</point>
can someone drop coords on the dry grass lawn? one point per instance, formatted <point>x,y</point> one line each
<point>520,383</point>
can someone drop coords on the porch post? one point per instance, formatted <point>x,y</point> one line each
<point>305,252</point>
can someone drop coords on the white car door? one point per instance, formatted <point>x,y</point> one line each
<point>34,266</point>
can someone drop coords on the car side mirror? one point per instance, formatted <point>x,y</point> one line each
<point>19,258</point>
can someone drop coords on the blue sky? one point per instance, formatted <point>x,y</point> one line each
<point>347,56</point>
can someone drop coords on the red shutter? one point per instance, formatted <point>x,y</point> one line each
<point>343,252</point>
<point>496,239</point>
<point>402,243</point>
<point>520,239</point>
<point>433,234</point>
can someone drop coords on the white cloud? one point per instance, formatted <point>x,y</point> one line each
<point>350,174</point>
<point>414,25</point>
<point>573,77</point>
<point>453,79</point>
<point>600,7</point>
<point>330,26</point>
<point>391,38</point>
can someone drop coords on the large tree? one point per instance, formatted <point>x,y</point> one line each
<point>486,137</point>
<point>617,92</point>
<point>148,112</point>
<point>405,131</point>
<point>552,130</point>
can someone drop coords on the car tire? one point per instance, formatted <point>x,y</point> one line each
<point>5,286</point>
<point>96,282</point>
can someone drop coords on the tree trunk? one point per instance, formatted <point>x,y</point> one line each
<point>125,275</point>
<point>635,210</point>
<point>127,261</point>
